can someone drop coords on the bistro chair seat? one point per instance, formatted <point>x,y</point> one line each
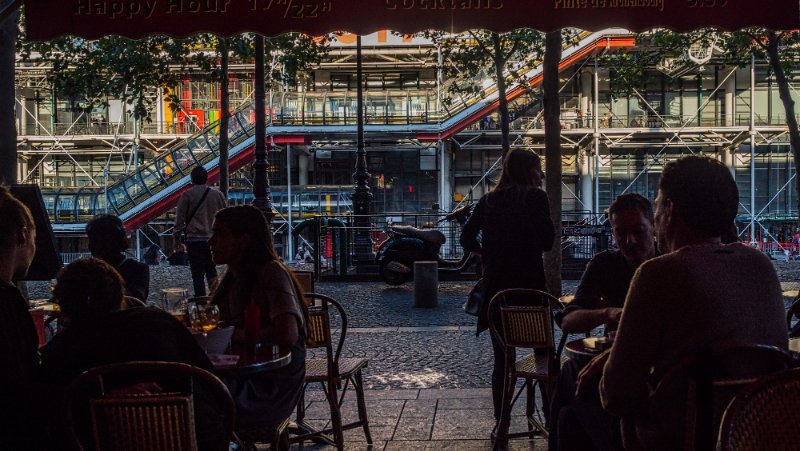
<point>333,373</point>
<point>764,415</point>
<point>106,412</point>
<point>522,319</point>
<point>535,366</point>
<point>317,369</point>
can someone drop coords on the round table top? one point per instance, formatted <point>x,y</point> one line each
<point>577,349</point>
<point>249,364</point>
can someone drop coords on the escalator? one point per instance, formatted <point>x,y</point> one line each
<point>294,118</point>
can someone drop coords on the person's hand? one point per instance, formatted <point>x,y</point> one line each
<point>613,315</point>
<point>589,377</point>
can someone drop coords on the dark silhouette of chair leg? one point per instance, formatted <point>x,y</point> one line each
<point>336,415</point>
<point>504,423</point>
<point>358,383</point>
<point>530,404</point>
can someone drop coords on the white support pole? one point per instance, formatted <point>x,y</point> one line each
<point>445,188</point>
<point>596,121</point>
<point>160,113</point>
<point>302,168</point>
<point>587,184</point>
<point>586,98</point>
<point>23,117</point>
<point>752,149</point>
<point>730,101</point>
<point>289,252</point>
<point>138,246</point>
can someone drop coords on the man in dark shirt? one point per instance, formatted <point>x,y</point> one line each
<point>577,424</point>
<point>601,293</point>
<point>20,424</point>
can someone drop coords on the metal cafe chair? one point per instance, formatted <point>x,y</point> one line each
<point>525,322</point>
<point>764,415</point>
<point>331,372</point>
<point>110,420</point>
<point>306,279</point>
<point>708,380</point>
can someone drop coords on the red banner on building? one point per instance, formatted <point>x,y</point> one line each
<point>47,19</point>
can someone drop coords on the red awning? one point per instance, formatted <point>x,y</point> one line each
<point>47,19</point>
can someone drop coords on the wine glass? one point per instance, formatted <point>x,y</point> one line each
<point>210,318</point>
<point>194,315</point>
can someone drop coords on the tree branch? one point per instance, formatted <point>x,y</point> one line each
<point>511,52</point>
<point>481,45</point>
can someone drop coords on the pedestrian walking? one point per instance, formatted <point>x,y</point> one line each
<point>194,217</point>
<point>514,220</point>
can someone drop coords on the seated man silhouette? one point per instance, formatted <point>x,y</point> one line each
<point>700,295</point>
<point>598,301</point>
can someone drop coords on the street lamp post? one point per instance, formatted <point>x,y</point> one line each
<point>362,196</point>
<point>261,189</point>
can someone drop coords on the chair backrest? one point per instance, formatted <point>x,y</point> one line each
<point>319,327</point>
<point>123,419</point>
<point>525,318</point>
<point>306,279</point>
<point>709,380</point>
<point>765,415</point>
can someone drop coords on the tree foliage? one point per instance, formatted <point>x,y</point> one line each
<point>780,48</point>
<point>287,57</point>
<point>88,73</point>
<point>476,55</point>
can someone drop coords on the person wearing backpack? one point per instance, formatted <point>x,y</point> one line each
<point>194,217</point>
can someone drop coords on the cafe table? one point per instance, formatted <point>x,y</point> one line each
<point>580,348</point>
<point>248,364</point>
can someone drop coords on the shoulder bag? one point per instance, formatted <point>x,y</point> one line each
<point>473,304</point>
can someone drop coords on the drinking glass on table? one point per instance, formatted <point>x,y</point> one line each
<point>210,319</point>
<point>203,318</point>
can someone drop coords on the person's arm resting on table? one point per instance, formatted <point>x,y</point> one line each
<point>624,388</point>
<point>584,320</point>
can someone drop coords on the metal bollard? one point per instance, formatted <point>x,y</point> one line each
<point>426,284</point>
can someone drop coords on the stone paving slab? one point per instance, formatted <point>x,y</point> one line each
<point>423,419</point>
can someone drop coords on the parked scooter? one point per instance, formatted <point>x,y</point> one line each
<point>407,244</point>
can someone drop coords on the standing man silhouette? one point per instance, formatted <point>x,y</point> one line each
<point>194,217</point>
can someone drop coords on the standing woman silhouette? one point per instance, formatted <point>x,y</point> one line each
<point>515,227</point>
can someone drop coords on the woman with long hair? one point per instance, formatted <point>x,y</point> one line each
<point>256,283</point>
<point>515,227</point>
